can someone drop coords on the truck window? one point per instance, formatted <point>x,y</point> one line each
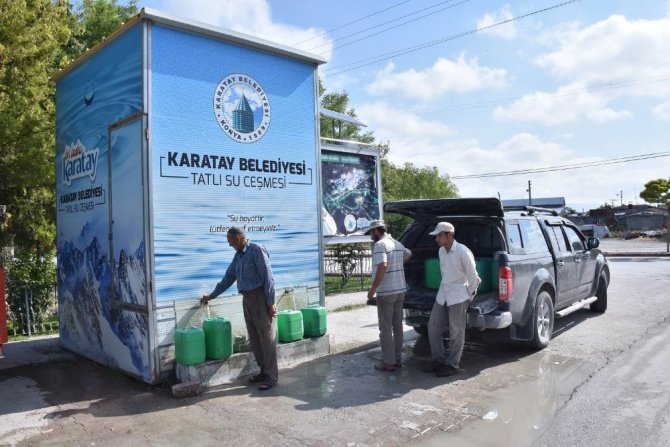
<point>514,238</point>
<point>576,242</point>
<point>532,237</point>
<point>558,236</point>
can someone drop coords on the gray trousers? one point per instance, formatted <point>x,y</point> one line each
<point>262,332</point>
<point>389,311</point>
<point>456,317</point>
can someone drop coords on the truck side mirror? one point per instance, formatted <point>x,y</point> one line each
<point>593,242</point>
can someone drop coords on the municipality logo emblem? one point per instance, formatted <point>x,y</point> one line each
<point>242,108</point>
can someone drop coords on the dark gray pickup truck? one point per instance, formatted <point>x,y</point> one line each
<point>534,265</point>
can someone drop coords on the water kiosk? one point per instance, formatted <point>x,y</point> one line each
<point>167,134</point>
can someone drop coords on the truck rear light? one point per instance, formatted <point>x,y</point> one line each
<point>504,283</point>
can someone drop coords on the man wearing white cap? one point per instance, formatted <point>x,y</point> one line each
<point>457,288</point>
<point>388,282</point>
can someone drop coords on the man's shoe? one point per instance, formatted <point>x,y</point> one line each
<point>268,384</point>
<point>446,371</point>
<point>384,367</point>
<point>433,367</point>
<point>258,378</point>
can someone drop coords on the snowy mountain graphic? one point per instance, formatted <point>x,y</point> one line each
<point>89,323</point>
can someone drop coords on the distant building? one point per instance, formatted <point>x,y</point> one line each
<point>641,217</point>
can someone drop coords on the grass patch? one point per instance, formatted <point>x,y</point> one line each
<point>355,284</point>
<point>349,307</point>
<point>50,328</point>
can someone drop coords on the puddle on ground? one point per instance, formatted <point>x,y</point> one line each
<point>519,414</point>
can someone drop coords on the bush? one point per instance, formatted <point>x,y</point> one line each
<point>36,274</point>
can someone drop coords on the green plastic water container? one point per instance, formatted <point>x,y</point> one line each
<point>218,338</point>
<point>431,273</point>
<point>494,274</point>
<point>290,326</point>
<point>484,272</point>
<point>314,321</point>
<point>189,346</point>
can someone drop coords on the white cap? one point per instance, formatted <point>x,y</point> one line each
<point>442,227</point>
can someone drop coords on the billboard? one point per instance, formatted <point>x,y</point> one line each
<point>351,190</point>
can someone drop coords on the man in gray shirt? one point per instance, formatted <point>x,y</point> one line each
<point>388,273</point>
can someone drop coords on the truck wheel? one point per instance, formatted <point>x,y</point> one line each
<point>600,305</point>
<point>421,330</point>
<point>543,321</point>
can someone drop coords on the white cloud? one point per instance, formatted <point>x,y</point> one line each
<point>568,104</point>
<point>394,123</point>
<point>444,76</point>
<point>615,49</point>
<point>424,142</point>
<point>662,111</point>
<point>506,31</point>
<point>251,17</point>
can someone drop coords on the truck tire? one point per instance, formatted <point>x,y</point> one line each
<point>542,321</point>
<point>421,330</point>
<point>601,292</point>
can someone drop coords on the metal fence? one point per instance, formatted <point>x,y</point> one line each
<point>333,266</point>
<point>32,310</point>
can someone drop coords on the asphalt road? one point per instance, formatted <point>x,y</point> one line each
<point>601,381</point>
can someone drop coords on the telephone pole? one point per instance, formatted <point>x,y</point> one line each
<point>530,199</point>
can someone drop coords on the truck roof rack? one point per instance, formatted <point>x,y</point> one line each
<point>531,209</point>
<point>536,209</point>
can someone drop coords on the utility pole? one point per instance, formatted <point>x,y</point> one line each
<point>621,196</point>
<point>530,199</point>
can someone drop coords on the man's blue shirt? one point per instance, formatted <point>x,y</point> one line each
<point>251,269</point>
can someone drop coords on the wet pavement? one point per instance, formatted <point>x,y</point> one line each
<point>506,394</point>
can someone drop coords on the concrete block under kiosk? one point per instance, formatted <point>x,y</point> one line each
<point>216,372</point>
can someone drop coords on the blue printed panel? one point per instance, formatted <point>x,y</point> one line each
<point>233,143</point>
<point>100,91</point>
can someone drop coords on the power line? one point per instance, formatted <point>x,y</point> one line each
<point>351,23</point>
<point>391,21</point>
<point>386,56</point>
<point>564,167</point>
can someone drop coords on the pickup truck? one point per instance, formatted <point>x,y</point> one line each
<point>535,265</point>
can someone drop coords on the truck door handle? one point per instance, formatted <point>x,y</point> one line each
<point>561,263</point>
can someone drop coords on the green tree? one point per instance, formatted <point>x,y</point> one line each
<point>568,211</point>
<point>332,128</point>
<point>99,18</point>
<point>657,191</point>
<point>37,37</point>
<point>32,34</point>
<point>34,275</point>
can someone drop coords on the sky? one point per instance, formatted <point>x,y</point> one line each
<point>478,87</point>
